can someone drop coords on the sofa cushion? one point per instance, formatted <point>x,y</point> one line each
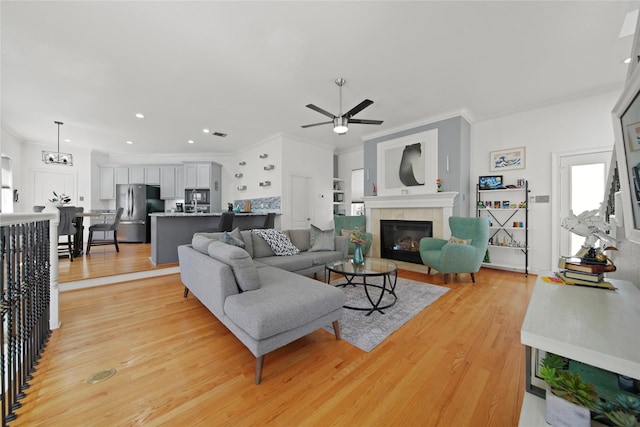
<point>285,302</point>
<point>248,244</point>
<point>240,262</point>
<point>321,240</point>
<point>261,248</point>
<point>321,257</point>
<point>300,238</point>
<point>278,242</point>
<point>233,238</point>
<point>201,243</point>
<point>290,263</point>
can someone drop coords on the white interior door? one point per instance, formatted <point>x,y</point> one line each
<point>300,210</point>
<point>583,178</point>
<point>46,182</point>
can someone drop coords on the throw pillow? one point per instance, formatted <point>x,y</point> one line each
<point>321,240</point>
<point>240,262</point>
<point>459,241</point>
<point>233,238</point>
<point>277,240</point>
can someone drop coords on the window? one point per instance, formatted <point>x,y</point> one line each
<point>357,192</point>
<point>6,204</point>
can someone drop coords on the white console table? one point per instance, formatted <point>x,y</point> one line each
<point>594,326</point>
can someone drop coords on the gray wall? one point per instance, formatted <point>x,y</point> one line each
<point>454,136</point>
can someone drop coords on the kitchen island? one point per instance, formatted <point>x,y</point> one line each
<point>170,230</point>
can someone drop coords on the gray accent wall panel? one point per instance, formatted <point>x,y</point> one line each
<point>454,139</point>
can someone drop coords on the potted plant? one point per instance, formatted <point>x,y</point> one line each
<point>569,399</point>
<point>358,239</point>
<point>60,199</point>
<point>623,411</point>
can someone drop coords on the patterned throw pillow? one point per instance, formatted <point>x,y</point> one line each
<point>233,238</point>
<point>277,240</point>
<point>321,240</point>
<point>459,241</point>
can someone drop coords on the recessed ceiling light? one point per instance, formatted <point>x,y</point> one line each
<point>67,140</point>
<point>205,130</point>
<point>140,115</point>
<point>190,141</point>
<point>129,142</point>
<point>627,61</point>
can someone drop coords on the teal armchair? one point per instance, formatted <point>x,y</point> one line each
<point>448,257</point>
<point>342,222</point>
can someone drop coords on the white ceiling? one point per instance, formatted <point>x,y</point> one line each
<point>249,68</point>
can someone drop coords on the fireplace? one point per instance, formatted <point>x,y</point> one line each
<point>400,240</point>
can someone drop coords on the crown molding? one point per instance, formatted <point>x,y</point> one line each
<point>464,113</point>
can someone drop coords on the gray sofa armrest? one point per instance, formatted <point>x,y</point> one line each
<point>342,245</point>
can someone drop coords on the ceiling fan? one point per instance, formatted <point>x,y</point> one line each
<point>341,121</point>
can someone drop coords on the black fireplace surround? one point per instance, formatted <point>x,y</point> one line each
<point>400,239</point>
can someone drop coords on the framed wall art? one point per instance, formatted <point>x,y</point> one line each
<point>503,160</point>
<point>408,165</point>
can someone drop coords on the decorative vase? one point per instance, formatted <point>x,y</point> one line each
<point>358,257</point>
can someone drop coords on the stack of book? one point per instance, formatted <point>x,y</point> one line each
<point>578,271</point>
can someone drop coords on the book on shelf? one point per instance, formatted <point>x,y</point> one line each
<point>581,275</point>
<point>578,264</point>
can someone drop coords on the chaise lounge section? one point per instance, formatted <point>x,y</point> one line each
<point>265,307</point>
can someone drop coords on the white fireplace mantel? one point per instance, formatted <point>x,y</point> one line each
<point>430,200</point>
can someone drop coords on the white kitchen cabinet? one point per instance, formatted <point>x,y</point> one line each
<point>122,175</point>
<point>107,183</point>
<point>179,182</point>
<point>136,175</point>
<point>168,183</point>
<point>197,175</point>
<point>152,175</point>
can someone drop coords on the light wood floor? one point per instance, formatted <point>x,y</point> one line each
<point>105,261</point>
<point>458,363</point>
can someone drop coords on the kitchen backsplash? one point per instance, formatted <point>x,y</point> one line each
<point>261,205</point>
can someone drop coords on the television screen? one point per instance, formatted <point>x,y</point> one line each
<point>492,182</point>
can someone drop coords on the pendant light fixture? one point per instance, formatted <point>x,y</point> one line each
<point>56,157</point>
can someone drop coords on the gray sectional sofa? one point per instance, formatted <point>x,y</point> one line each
<point>263,299</point>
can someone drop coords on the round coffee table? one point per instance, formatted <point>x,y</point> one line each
<point>372,267</point>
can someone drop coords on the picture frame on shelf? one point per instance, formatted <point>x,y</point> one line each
<point>512,158</point>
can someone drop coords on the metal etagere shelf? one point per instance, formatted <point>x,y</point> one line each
<point>508,221</point>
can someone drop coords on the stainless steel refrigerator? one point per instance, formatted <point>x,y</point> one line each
<point>138,201</point>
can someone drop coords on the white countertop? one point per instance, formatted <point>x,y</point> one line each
<point>184,214</point>
<point>595,326</point>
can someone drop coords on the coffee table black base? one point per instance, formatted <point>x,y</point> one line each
<point>375,305</point>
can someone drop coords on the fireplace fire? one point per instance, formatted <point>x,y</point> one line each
<point>400,240</point>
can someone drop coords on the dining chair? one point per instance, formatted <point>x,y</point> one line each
<point>269,221</point>
<point>226,221</point>
<point>106,227</point>
<point>67,228</point>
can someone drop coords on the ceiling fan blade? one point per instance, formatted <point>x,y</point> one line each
<point>355,110</point>
<point>316,124</point>
<point>365,122</point>
<point>321,111</point>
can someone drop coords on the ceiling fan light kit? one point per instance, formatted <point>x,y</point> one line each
<point>340,125</point>
<point>341,121</point>
<point>56,157</point>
